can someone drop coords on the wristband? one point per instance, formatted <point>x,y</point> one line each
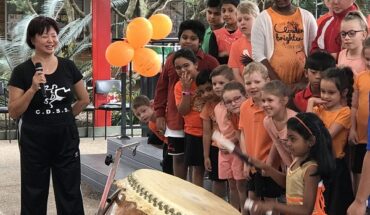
<point>186,93</point>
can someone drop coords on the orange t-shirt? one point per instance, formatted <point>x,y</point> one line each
<point>193,124</point>
<point>239,48</point>
<point>357,65</point>
<point>208,114</point>
<point>153,127</point>
<point>257,141</point>
<point>288,58</point>
<point>225,39</point>
<point>341,116</point>
<point>362,85</point>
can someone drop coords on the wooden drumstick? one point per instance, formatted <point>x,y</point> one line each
<point>230,147</point>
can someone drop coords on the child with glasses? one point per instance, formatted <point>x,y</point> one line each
<point>254,139</point>
<point>233,96</point>
<point>189,105</point>
<point>353,33</point>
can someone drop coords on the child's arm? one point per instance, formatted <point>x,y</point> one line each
<point>312,102</point>
<point>207,139</point>
<point>353,130</point>
<point>270,171</point>
<point>309,198</point>
<point>184,107</point>
<point>247,168</point>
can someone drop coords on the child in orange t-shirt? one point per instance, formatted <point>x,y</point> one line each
<point>189,106</point>
<point>254,139</point>
<point>221,39</point>
<point>210,149</point>
<point>241,49</point>
<point>359,111</point>
<point>353,34</point>
<point>144,111</point>
<point>333,108</point>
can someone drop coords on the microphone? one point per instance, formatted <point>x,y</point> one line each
<point>38,67</point>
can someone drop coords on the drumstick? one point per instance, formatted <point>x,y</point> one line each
<point>249,205</point>
<point>230,147</point>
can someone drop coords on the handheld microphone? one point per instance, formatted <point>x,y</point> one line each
<point>38,67</point>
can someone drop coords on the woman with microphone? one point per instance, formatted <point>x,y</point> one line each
<point>41,94</point>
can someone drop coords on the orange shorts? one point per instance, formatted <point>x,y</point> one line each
<point>230,166</point>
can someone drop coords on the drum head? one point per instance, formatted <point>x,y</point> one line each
<point>166,193</point>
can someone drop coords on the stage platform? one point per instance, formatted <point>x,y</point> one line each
<point>95,172</point>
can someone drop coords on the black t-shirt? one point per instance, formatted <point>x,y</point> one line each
<point>56,108</point>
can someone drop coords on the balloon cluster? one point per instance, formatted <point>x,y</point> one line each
<point>139,32</point>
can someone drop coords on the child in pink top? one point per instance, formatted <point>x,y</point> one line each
<point>353,33</point>
<point>275,97</point>
<point>233,96</point>
<point>241,49</point>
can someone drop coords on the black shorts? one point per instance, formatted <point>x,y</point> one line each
<point>176,145</point>
<point>213,156</point>
<point>264,186</point>
<point>193,150</point>
<point>358,152</point>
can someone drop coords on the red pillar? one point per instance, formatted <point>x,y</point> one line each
<point>101,38</point>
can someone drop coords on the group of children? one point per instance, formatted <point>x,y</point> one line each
<point>297,141</point>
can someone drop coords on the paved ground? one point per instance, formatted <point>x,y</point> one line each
<point>10,178</point>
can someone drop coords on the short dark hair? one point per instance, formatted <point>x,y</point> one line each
<point>320,61</point>
<point>223,70</point>
<point>140,101</point>
<point>235,85</point>
<point>37,26</point>
<point>233,2</point>
<point>185,53</point>
<point>193,25</point>
<point>214,3</point>
<point>203,77</point>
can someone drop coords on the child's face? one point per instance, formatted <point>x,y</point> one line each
<point>314,77</point>
<point>183,65</point>
<point>228,12</point>
<point>298,146</point>
<point>218,83</point>
<point>352,34</point>
<point>282,3</point>
<point>245,23</point>
<point>232,100</point>
<point>273,105</point>
<point>189,39</point>
<point>339,6</point>
<point>213,16</point>
<point>253,84</point>
<point>144,113</point>
<point>330,94</point>
<point>366,54</point>
<point>205,91</point>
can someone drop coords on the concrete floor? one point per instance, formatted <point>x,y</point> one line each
<point>10,178</point>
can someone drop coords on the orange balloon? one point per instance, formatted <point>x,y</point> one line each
<point>146,62</point>
<point>119,53</point>
<point>139,32</point>
<point>162,26</point>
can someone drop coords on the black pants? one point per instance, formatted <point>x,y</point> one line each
<point>49,150</point>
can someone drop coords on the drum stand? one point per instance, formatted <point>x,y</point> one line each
<point>112,173</point>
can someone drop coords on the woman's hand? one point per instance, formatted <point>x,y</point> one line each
<point>37,79</point>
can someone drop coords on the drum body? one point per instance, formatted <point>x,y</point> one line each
<point>153,192</point>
